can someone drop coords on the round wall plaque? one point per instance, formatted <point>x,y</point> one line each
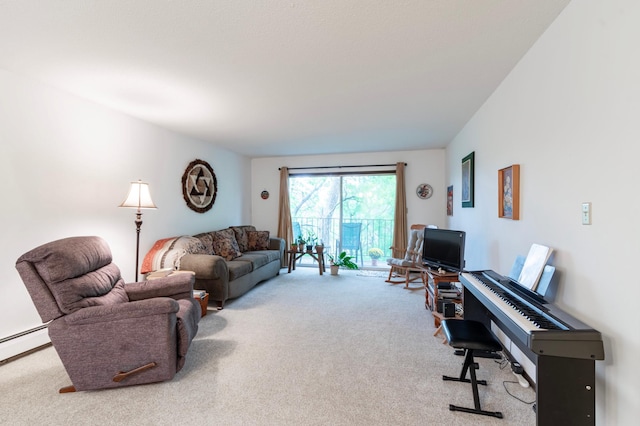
<point>199,186</point>
<point>264,194</point>
<point>424,191</point>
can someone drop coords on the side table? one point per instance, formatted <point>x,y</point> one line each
<point>432,278</point>
<point>295,255</point>
<point>204,303</point>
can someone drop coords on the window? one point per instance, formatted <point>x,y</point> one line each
<point>350,212</point>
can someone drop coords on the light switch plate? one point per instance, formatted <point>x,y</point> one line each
<point>586,213</point>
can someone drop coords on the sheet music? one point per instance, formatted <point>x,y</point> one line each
<point>533,266</point>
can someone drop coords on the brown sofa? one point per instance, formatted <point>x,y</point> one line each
<point>227,263</point>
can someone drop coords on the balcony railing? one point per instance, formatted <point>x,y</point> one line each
<point>376,233</point>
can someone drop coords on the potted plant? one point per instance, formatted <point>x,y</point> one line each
<point>375,254</point>
<point>301,243</point>
<point>310,240</point>
<point>342,260</point>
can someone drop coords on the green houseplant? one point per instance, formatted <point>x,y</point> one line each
<point>342,260</point>
<point>310,240</point>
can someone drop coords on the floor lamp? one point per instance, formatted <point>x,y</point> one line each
<point>139,197</point>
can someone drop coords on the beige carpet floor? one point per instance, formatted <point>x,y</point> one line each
<point>299,349</point>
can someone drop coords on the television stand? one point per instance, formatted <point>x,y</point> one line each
<point>431,278</point>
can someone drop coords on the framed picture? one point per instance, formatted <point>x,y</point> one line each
<point>467,180</point>
<point>450,200</point>
<point>509,192</point>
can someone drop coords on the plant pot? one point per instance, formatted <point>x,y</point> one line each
<point>374,262</point>
<point>319,249</point>
<point>309,248</point>
<point>334,269</point>
<point>300,248</point>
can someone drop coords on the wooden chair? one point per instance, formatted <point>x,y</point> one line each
<point>408,268</point>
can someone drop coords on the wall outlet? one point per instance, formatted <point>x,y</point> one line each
<point>586,213</point>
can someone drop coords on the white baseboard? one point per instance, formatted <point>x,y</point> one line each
<point>23,343</point>
<point>515,352</point>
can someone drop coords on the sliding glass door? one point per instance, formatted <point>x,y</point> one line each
<point>348,212</point>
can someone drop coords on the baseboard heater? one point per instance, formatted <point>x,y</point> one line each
<point>24,343</point>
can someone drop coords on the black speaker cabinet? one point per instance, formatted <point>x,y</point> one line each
<point>439,305</point>
<point>449,309</point>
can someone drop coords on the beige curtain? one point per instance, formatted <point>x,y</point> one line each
<point>400,215</point>
<point>284,211</point>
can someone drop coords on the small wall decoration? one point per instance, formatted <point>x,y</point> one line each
<point>264,194</point>
<point>199,186</point>
<point>450,200</point>
<point>424,191</point>
<point>467,180</point>
<point>509,192</point>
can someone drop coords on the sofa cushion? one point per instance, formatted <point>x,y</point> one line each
<point>257,259</point>
<point>270,255</point>
<point>166,253</point>
<point>241,236</point>
<point>258,240</point>
<point>225,244</point>
<point>238,268</point>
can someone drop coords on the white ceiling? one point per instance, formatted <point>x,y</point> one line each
<point>273,78</point>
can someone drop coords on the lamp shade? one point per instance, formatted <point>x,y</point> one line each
<point>139,196</point>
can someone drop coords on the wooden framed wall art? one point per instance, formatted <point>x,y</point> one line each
<point>509,192</point>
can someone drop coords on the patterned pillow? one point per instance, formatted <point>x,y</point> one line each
<point>258,240</point>
<point>225,244</point>
<point>207,241</point>
<point>241,236</point>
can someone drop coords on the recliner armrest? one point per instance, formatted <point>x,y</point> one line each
<point>176,286</point>
<point>121,311</point>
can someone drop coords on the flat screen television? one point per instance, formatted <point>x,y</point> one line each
<point>443,248</point>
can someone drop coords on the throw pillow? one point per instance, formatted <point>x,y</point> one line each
<point>207,241</point>
<point>225,244</point>
<point>258,240</point>
<point>241,236</point>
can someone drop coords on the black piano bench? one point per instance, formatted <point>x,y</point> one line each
<point>469,336</point>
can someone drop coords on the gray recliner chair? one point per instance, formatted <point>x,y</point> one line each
<point>107,333</point>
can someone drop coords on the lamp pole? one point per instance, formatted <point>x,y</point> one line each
<point>139,197</point>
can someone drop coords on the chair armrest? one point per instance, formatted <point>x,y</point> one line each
<point>122,311</point>
<point>176,286</point>
<point>276,243</point>
<point>206,266</point>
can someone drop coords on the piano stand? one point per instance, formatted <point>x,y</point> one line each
<point>470,336</point>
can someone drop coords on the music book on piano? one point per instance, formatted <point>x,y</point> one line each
<point>533,266</point>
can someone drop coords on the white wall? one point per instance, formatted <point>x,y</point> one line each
<point>568,114</point>
<point>65,166</point>
<point>426,166</point>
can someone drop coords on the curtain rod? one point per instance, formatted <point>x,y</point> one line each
<point>340,167</point>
